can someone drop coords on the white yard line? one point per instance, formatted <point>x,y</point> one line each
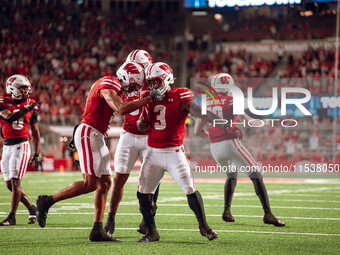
<point>189,230</point>
<point>180,215</point>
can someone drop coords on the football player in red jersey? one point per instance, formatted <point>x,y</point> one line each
<point>227,148</point>
<point>17,113</point>
<point>165,152</point>
<point>132,143</point>
<point>102,102</point>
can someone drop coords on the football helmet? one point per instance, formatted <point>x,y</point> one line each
<point>18,87</point>
<point>159,76</point>
<point>131,77</point>
<point>141,57</point>
<point>221,81</point>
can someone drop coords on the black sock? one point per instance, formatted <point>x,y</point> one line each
<point>195,202</point>
<point>146,208</point>
<point>32,210</point>
<point>97,226</point>
<point>11,215</point>
<point>229,188</point>
<point>50,200</point>
<point>260,190</point>
<point>111,216</point>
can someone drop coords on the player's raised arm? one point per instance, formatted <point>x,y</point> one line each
<point>116,103</point>
<point>9,117</point>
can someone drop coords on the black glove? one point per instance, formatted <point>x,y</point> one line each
<point>36,160</point>
<point>72,144</point>
<point>157,95</point>
<point>31,106</point>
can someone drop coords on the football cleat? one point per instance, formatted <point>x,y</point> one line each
<point>101,236</point>
<point>151,236</point>
<point>227,216</point>
<point>210,234</point>
<point>142,228</point>
<point>43,207</point>
<point>9,221</point>
<point>269,218</point>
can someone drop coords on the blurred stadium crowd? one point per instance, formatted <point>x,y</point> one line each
<point>64,50</point>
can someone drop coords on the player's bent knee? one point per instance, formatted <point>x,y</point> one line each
<point>189,190</point>
<point>255,175</point>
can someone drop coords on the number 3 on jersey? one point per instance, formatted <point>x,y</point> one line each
<point>19,124</point>
<point>161,124</point>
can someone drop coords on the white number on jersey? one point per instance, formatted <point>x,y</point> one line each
<point>18,124</point>
<point>160,117</point>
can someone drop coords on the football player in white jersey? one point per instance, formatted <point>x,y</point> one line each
<point>227,148</point>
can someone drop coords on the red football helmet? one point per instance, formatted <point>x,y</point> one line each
<point>131,77</point>
<point>141,57</point>
<point>18,87</point>
<point>159,75</point>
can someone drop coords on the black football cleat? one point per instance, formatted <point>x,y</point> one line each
<point>110,227</point>
<point>152,236</point>
<point>142,228</point>
<point>210,234</point>
<point>269,218</point>
<point>101,236</point>
<point>33,217</point>
<point>227,216</point>
<point>43,207</point>
<point>9,221</point>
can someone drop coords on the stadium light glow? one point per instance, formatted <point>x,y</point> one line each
<point>231,3</point>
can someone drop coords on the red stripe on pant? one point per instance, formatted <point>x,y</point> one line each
<point>23,162</point>
<point>245,151</point>
<point>242,154</point>
<point>82,139</point>
<point>90,151</point>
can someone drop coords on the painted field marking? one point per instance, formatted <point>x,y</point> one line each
<point>188,230</point>
<point>180,215</point>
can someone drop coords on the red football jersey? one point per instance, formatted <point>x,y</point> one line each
<point>167,119</point>
<point>225,111</point>
<point>97,112</point>
<point>18,128</point>
<point>130,120</point>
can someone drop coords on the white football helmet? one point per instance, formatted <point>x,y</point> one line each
<point>221,81</point>
<point>18,87</point>
<point>141,57</point>
<point>131,76</point>
<point>159,75</point>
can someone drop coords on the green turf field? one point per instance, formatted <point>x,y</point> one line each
<point>311,212</point>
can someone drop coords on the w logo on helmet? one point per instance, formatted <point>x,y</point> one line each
<point>165,68</point>
<point>131,68</point>
<point>11,80</point>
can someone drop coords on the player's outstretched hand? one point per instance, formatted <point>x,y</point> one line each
<point>32,106</point>
<point>157,94</point>
<point>35,159</point>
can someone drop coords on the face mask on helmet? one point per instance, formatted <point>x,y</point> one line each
<point>159,75</point>
<point>221,81</point>
<point>141,57</point>
<point>18,87</point>
<point>131,77</point>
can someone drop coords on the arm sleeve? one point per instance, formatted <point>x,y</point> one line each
<point>34,118</point>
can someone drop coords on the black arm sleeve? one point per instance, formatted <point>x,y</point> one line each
<point>16,116</point>
<point>34,118</point>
